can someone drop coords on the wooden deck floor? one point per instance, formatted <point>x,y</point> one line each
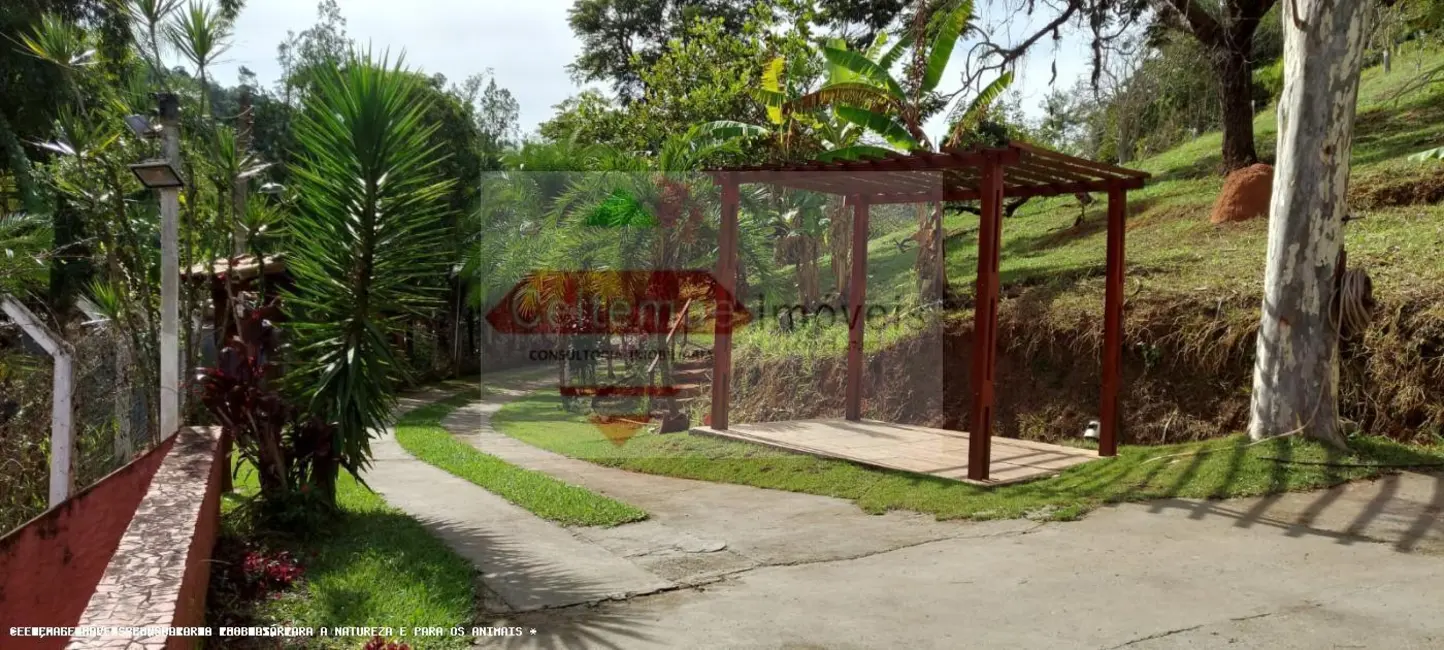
<point>924,450</point>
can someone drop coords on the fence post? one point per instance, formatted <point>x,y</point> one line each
<point>62,437</point>
<point>124,394</point>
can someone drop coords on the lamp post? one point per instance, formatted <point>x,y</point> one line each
<point>164,176</point>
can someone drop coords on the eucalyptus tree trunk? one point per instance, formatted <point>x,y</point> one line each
<point>839,238</point>
<point>931,272</point>
<point>1296,372</point>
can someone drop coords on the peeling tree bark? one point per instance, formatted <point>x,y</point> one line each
<point>1296,372</point>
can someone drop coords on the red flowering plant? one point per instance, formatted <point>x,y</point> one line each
<point>247,573</point>
<point>379,642</point>
<point>286,448</point>
<point>267,572</point>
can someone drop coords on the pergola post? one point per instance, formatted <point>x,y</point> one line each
<point>1113,323</point>
<point>856,309</point>
<point>725,290</point>
<point>985,319</point>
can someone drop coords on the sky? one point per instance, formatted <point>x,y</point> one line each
<point>527,43</point>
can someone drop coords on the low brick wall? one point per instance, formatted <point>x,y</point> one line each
<point>50,566</point>
<point>160,569</point>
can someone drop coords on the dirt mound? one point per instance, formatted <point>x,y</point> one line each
<point>1245,194</point>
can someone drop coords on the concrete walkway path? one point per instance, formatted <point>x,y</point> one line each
<point>699,531</point>
<point>1359,566</point>
<point>527,562</point>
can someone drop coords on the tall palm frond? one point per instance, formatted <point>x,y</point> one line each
<point>150,17</point>
<point>60,42</point>
<point>200,34</point>
<point>24,239</point>
<point>367,244</point>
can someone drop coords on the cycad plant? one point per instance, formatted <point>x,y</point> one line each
<point>367,245</point>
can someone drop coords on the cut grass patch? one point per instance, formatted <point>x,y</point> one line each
<point>1228,467</point>
<point>421,434</point>
<point>373,565</point>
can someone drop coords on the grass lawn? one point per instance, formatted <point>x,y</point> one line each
<point>372,566</point>
<point>1228,467</point>
<point>420,433</point>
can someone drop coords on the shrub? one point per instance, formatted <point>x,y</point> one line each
<point>380,643</point>
<point>288,449</point>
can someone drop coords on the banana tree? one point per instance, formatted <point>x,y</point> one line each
<point>792,135</point>
<point>862,89</point>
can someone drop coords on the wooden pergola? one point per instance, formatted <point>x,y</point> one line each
<point>987,175</point>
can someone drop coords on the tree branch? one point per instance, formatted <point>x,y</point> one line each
<point>1203,25</point>
<point>1007,55</point>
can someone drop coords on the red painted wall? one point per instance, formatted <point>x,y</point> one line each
<point>50,566</point>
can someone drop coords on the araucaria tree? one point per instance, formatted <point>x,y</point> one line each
<point>367,245</point>
<point>1296,372</point>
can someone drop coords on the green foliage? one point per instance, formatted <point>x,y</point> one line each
<point>623,39</point>
<point>495,113</point>
<point>24,239</point>
<point>621,210</point>
<point>588,118</point>
<point>366,246</point>
<point>57,41</point>
<point>200,34</point>
<point>370,562</point>
<point>862,90</point>
<point>1271,79</point>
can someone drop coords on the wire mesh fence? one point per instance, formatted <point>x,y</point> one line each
<point>112,413</point>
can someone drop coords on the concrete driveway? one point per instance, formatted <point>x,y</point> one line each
<point>729,566</point>
<point>1355,567</point>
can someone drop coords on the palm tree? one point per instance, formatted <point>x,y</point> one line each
<point>863,90</point>
<point>367,246</point>
<point>148,17</point>
<point>201,35</point>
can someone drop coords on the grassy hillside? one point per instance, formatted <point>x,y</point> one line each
<point>1194,288</point>
<point>1170,241</point>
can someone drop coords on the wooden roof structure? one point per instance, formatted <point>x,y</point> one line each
<point>949,175</point>
<point>987,175</point>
